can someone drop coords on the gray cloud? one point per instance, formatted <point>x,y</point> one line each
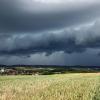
<point>58,58</point>
<point>70,40</point>
<point>18,16</point>
<point>33,28</point>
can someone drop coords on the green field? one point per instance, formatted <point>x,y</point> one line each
<point>51,87</point>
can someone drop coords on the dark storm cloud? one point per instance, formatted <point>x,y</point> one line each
<point>17,16</point>
<point>31,28</point>
<point>75,39</point>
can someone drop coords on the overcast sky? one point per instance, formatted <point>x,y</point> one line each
<point>51,32</point>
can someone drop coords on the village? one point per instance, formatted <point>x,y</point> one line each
<point>13,71</point>
<point>45,70</point>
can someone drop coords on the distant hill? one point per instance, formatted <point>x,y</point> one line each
<point>51,66</point>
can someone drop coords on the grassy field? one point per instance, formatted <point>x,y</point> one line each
<point>51,87</point>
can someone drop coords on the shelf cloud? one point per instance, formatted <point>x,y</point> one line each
<point>30,27</point>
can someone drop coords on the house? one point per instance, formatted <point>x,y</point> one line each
<point>11,72</point>
<point>2,70</point>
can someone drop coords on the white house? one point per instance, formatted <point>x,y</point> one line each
<point>2,70</point>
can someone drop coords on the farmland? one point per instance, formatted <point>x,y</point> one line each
<point>81,86</point>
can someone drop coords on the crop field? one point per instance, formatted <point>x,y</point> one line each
<point>82,86</point>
